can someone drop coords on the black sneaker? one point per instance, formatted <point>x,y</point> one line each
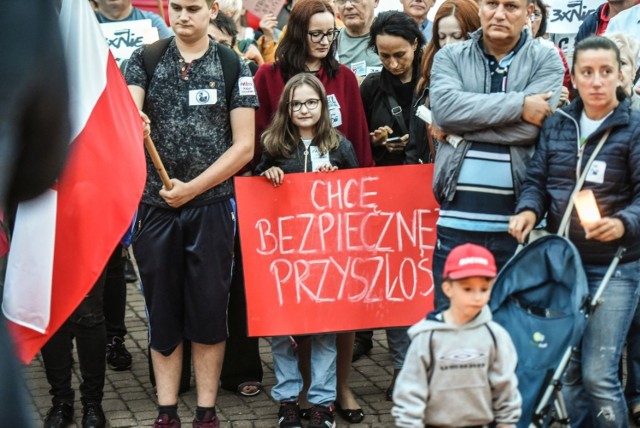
<point>60,415</point>
<point>289,415</point>
<point>118,358</point>
<point>93,416</point>
<point>322,417</point>
<point>129,272</point>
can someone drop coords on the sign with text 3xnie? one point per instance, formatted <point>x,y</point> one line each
<point>337,251</point>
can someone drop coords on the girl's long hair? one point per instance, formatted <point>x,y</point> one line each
<point>466,13</point>
<point>281,138</point>
<point>292,50</point>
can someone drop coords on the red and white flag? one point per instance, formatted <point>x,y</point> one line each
<point>63,239</point>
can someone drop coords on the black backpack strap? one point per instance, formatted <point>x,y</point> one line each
<point>230,64</point>
<point>151,56</point>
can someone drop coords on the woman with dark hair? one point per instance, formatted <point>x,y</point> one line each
<point>308,46</point>
<point>398,41</point>
<point>594,140</point>
<point>387,96</point>
<point>453,22</point>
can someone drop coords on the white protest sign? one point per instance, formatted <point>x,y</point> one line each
<point>565,16</point>
<point>261,8</point>
<point>126,36</point>
<point>564,42</point>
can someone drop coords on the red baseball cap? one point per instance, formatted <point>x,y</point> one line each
<point>468,260</point>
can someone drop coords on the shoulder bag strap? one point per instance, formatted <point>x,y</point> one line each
<point>396,111</point>
<point>563,230</point>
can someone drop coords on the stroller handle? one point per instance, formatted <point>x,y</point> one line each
<point>595,301</point>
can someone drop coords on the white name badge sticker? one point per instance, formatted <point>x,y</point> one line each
<point>333,101</point>
<point>373,69</point>
<point>359,68</point>
<point>424,113</point>
<point>203,97</point>
<point>336,117</point>
<point>245,84</point>
<point>317,158</point>
<point>334,111</point>
<point>596,173</point>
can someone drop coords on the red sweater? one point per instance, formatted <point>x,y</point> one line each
<point>270,85</point>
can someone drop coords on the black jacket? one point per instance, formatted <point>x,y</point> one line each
<point>418,150</point>
<point>552,175</point>
<point>344,157</point>
<point>375,90</point>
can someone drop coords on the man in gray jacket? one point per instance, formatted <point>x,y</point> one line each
<point>489,97</point>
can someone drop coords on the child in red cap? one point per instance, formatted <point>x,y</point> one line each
<point>460,367</point>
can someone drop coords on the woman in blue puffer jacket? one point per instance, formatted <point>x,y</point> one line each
<point>568,138</point>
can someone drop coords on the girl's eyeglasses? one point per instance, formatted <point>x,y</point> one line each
<point>310,104</point>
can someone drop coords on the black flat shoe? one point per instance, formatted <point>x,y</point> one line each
<point>353,416</point>
<point>60,415</point>
<point>360,349</point>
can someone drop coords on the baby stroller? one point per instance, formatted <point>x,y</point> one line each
<point>541,298</point>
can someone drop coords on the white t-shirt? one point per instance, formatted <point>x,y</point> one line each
<point>589,126</point>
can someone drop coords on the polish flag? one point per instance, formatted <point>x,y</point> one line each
<point>63,239</point>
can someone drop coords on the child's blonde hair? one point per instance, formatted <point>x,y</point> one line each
<point>281,138</point>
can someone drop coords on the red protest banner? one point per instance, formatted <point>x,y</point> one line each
<point>337,251</point>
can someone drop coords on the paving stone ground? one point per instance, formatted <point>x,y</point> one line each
<point>129,399</point>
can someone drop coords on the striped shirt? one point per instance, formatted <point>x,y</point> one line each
<point>485,197</point>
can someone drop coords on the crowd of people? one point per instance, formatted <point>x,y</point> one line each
<point>513,127</point>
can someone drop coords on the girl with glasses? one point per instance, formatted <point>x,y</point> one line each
<point>309,46</point>
<point>301,139</point>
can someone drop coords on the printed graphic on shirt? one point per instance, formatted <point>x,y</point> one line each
<point>245,84</point>
<point>463,359</point>
<point>202,97</point>
<point>596,173</point>
<point>317,158</point>
<point>463,355</point>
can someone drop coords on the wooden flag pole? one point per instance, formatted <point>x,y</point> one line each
<point>157,162</point>
<point>161,10</point>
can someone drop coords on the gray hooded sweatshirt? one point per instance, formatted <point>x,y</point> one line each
<point>457,375</point>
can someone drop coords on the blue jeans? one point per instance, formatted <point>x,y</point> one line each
<point>501,244</point>
<point>632,390</point>
<point>593,392</point>
<point>399,342</point>
<point>322,390</point>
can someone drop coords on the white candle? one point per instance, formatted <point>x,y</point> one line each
<point>586,207</point>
